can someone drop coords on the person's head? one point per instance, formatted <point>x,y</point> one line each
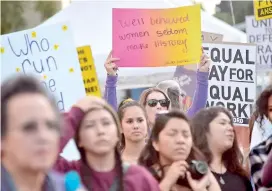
<point>174,92</point>
<point>171,140</point>
<point>154,100</point>
<point>99,131</point>
<point>264,105</point>
<point>30,125</point>
<point>133,120</point>
<point>214,135</point>
<point>98,136</point>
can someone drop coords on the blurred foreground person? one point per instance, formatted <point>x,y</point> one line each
<point>97,134</point>
<point>172,158</point>
<point>214,135</point>
<point>30,133</point>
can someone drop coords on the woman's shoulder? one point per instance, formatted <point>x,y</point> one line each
<point>64,166</point>
<point>138,176</point>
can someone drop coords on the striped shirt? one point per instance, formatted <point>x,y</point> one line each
<point>258,156</point>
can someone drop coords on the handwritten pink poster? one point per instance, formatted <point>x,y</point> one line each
<point>157,37</point>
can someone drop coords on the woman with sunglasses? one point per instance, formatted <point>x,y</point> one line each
<point>150,98</point>
<point>169,154</point>
<point>134,126</point>
<point>97,136</point>
<point>214,135</point>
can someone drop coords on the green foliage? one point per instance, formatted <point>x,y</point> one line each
<point>11,16</point>
<point>47,8</point>
<point>240,9</point>
<point>12,13</point>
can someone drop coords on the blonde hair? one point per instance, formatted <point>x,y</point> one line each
<point>147,92</point>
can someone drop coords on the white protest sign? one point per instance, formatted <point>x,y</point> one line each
<point>260,33</point>
<point>48,53</point>
<point>232,79</point>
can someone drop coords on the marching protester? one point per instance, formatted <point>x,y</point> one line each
<point>172,158</point>
<point>30,133</point>
<point>259,154</point>
<point>134,128</point>
<point>155,99</point>
<point>97,135</point>
<point>214,135</point>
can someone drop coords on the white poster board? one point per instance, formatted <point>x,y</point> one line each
<point>49,54</point>
<point>260,33</point>
<point>232,79</point>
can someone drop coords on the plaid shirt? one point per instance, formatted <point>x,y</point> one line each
<point>258,156</point>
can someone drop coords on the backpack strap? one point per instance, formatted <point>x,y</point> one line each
<point>115,184</point>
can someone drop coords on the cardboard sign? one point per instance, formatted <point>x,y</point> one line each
<point>232,79</point>
<point>260,33</point>
<point>49,54</point>
<point>262,9</point>
<point>211,37</point>
<point>89,75</point>
<point>156,37</point>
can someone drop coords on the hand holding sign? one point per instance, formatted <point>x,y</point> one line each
<point>205,62</point>
<point>110,66</point>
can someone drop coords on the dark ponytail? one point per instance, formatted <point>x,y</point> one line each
<point>119,169</point>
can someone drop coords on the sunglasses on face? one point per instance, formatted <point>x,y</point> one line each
<point>154,102</point>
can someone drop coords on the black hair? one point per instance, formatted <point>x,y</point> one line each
<point>121,111</point>
<point>262,105</point>
<point>21,84</point>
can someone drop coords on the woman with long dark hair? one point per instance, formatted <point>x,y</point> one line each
<point>261,172</point>
<point>134,128</point>
<point>169,152</point>
<point>101,168</point>
<point>214,135</point>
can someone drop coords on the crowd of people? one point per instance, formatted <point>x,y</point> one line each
<point>147,145</point>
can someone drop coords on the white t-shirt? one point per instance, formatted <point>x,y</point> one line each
<point>260,134</point>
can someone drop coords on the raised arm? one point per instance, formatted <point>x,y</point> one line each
<point>71,123</point>
<point>201,92</point>
<point>110,88</point>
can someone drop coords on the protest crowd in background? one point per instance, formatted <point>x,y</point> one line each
<point>210,135</point>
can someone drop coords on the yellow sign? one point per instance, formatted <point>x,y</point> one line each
<point>262,9</point>
<point>90,79</point>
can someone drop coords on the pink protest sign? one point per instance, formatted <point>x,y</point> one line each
<point>157,37</point>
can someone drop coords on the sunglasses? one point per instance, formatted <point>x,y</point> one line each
<point>154,102</point>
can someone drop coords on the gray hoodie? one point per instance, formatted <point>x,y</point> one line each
<point>53,181</point>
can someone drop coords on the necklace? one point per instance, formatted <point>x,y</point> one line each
<point>221,180</point>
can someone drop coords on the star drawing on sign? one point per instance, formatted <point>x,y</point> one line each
<point>44,77</point>
<point>2,50</point>
<point>33,34</point>
<point>64,28</point>
<point>71,70</point>
<point>56,47</point>
<point>18,69</point>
